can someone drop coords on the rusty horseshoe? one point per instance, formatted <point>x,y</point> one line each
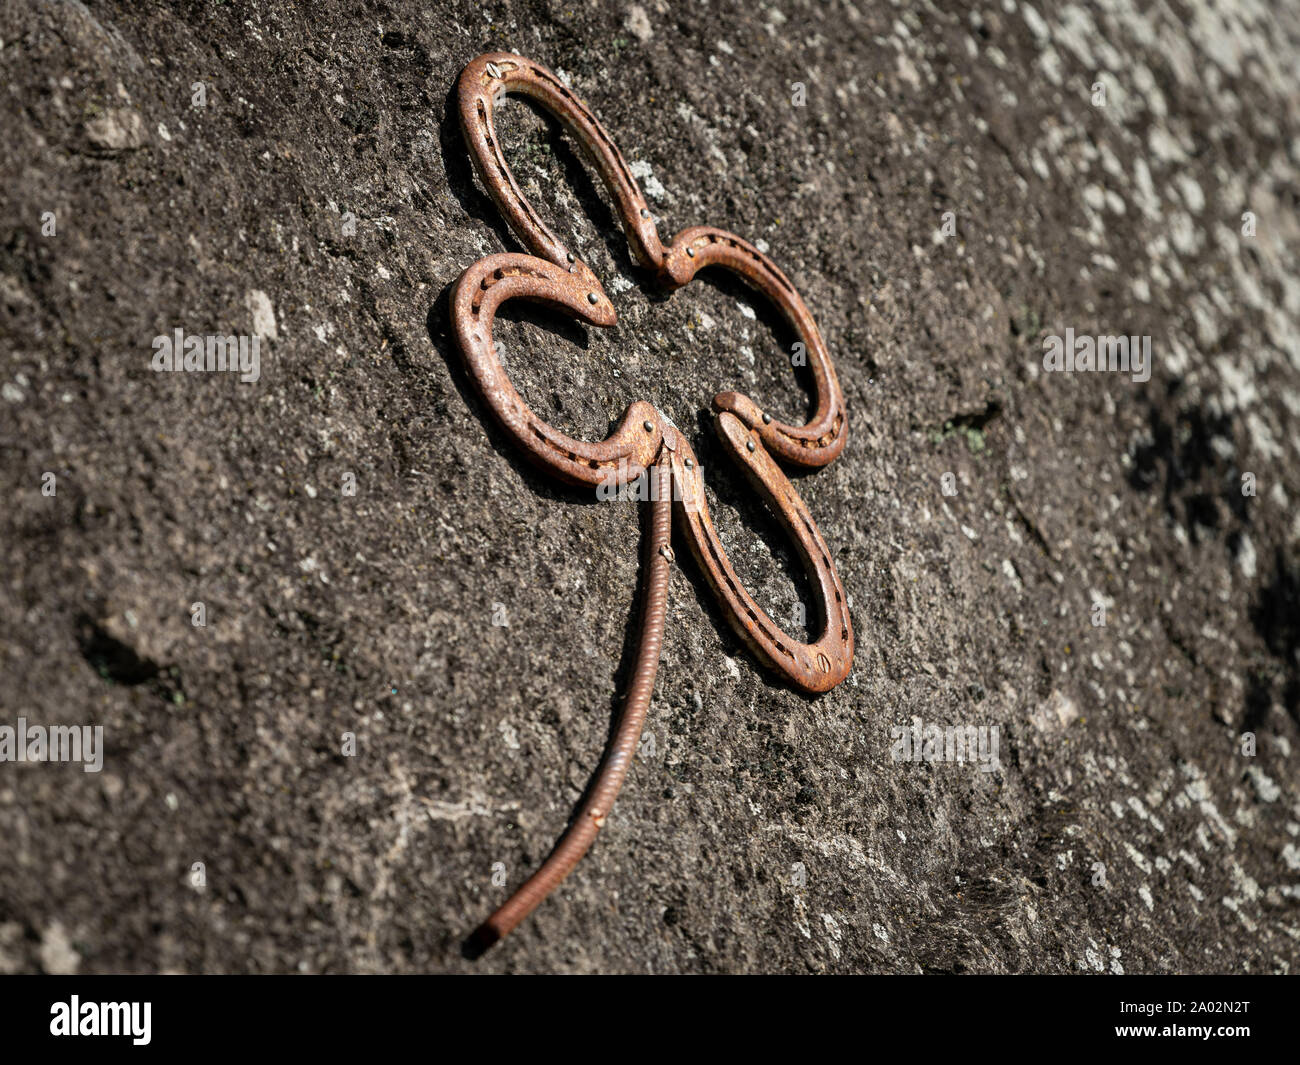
<point>644,441</point>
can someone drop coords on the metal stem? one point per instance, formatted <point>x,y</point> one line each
<point>581,833</point>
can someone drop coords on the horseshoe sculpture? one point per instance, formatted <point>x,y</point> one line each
<point>644,441</point>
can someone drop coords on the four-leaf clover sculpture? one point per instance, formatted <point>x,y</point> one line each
<point>644,441</point>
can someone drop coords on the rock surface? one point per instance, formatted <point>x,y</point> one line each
<point>296,172</point>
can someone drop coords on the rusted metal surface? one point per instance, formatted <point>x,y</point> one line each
<point>644,439</point>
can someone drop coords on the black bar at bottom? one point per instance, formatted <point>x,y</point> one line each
<point>342,1014</point>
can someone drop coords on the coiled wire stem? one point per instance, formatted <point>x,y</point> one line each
<point>581,833</point>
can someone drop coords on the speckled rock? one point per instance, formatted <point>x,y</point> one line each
<point>1104,571</point>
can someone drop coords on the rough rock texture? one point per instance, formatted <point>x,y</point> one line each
<point>294,171</point>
